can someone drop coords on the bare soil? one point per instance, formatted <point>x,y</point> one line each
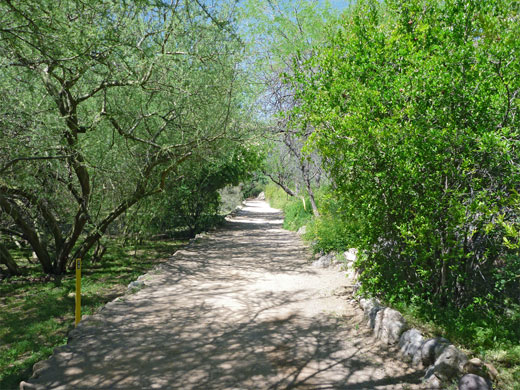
<point>240,308</point>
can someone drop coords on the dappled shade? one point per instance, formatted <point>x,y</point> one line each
<point>240,308</point>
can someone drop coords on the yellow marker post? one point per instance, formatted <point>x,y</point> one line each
<point>78,291</point>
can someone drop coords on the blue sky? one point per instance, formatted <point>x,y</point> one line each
<point>339,4</point>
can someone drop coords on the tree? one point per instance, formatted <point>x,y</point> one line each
<point>104,102</point>
<point>416,110</point>
<point>283,34</point>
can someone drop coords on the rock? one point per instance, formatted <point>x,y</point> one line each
<point>474,366</point>
<point>476,362</point>
<point>370,308</point>
<point>473,382</point>
<point>431,380</point>
<point>324,261</point>
<point>39,367</point>
<point>143,278</point>
<point>350,274</point>
<point>30,386</point>
<point>261,196</point>
<point>389,325</point>
<point>301,231</point>
<point>450,363</point>
<point>350,255</point>
<point>491,370</point>
<point>136,284</point>
<point>431,350</point>
<point>410,344</point>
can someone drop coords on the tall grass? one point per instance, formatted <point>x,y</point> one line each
<point>297,210</point>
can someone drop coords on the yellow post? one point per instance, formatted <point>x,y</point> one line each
<point>78,291</point>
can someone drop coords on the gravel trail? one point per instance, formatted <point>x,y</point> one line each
<point>240,308</point>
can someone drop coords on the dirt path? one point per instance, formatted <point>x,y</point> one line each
<point>239,309</point>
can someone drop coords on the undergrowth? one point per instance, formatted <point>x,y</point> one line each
<point>297,210</point>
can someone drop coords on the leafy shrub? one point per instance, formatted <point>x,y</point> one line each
<point>276,196</point>
<point>415,107</point>
<point>329,232</point>
<point>192,203</point>
<point>252,188</point>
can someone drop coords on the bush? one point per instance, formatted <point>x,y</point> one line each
<point>277,197</point>
<point>329,232</point>
<point>297,214</point>
<point>419,130</point>
<point>416,115</point>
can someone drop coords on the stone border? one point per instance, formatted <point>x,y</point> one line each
<point>442,361</point>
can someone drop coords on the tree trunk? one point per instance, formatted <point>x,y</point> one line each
<point>29,233</point>
<point>93,237</point>
<point>307,180</point>
<point>6,259</point>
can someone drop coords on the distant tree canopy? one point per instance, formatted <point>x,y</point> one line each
<point>281,35</point>
<point>415,109</point>
<point>103,105</point>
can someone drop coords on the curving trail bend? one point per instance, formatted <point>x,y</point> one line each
<point>241,308</point>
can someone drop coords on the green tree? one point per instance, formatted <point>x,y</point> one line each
<point>415,106</point>
<point>104,101</point>
<point>281,34</point>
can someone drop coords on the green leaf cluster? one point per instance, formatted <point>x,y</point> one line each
<point>415,109</point>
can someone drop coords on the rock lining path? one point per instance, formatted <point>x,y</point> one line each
<point>240,308</point>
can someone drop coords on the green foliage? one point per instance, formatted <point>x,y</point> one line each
<point>297,211</point>
<point>415,112</point>
<point>329,232</point>
<point>253,188</point>
<point>105,101</point>
<point>191,202</point>
<point>276,196</point>
<point>415,115</point>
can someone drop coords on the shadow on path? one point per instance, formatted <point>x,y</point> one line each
<point>238,309</point>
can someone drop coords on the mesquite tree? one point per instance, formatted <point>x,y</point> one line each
<point>282,34</point>
<point>102,102</point>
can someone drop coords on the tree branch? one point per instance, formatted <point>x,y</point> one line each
<point>18,159</point>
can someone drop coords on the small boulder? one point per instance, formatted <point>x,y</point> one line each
<point>389,325</point>
<point>324,261</point>
<point>491,370</point>
<point>450,363</point>
<point>410,344</point>
<point>474,366</point>
<point>476,362</point>
<point>301,231</point>
<point>350,255</point>
<point>39,367</point>
<point>431,381</point>
<point>370,308</point>
<point>431,350</point>
<point>261,196</point>
<point>473,382</point>
<point>135,285</point>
